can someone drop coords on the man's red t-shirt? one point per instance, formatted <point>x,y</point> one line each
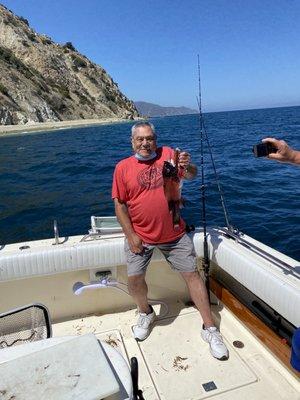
<point>140,185</point>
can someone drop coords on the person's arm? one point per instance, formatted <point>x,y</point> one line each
<point>134,241</point>
<point>284,152</point>
<point>190,170</point>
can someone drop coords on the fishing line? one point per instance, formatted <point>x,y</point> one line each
<point>205,260</point>
<point>228,224</point>
<point>204,136</point>
<point>203,132</point>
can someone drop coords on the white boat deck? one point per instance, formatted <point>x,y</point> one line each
<point>175,363</point>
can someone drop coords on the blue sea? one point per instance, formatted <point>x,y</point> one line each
<point>67,174</point>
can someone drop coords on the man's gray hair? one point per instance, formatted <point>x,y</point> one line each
<point>142,124</point>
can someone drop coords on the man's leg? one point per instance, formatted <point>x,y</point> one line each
<point>199,296</point>
<point>181,255</point>
<point>209,332</point>
<point>138,289</point>
<point>136,268</point>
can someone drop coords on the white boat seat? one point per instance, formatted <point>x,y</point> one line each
<point>58,369</point>
<point>100,225</point>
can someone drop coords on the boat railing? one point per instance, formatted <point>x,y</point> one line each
<point>56,233</point>
<point>237,236</point>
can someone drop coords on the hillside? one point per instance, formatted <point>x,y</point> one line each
<point>43,81</point>
<point>154,110</point>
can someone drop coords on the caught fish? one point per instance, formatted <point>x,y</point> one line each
<point>172,187</point>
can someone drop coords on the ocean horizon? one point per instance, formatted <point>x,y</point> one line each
<point>252,109</point>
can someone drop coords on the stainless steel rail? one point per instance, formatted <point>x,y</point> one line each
<point>56,233</point>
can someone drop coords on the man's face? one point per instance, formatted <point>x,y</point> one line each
<point>144,141</point>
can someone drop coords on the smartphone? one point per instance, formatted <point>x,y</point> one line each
<point>264,149</point>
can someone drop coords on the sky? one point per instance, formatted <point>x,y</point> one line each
<point>249,49</point>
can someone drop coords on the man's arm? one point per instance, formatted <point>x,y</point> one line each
<point>134,241</point>
<point>190,170</point>
<point>284,152</point>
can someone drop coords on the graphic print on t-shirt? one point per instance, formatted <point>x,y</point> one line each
<point>150,178</point>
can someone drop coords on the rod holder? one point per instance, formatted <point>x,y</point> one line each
<point>56,233</point>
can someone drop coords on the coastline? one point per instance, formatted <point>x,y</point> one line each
<point>50,126</point>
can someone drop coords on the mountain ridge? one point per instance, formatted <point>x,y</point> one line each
<point>155,110</point>
<point>43,81</point>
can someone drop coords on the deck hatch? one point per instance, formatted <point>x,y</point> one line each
<point>185,357</point>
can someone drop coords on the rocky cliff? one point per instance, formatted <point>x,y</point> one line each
<point>44,81</point>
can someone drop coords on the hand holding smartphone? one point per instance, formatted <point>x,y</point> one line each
<point>264,149</point>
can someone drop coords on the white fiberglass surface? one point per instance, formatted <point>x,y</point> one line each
<point>175,363</point>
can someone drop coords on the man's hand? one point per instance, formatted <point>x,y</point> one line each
<point>184,161</point>
<point>135,243</point>
<point>284,152</point>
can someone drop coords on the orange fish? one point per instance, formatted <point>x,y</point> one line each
<point>172,187</point>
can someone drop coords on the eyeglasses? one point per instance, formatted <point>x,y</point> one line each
<point>147,138</point>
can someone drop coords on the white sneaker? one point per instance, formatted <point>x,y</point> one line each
<point>143,327</point>
<point>212,336</point>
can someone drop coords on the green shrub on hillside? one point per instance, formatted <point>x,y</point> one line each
<point>42,86</point>
<point>3,89</point>
<point>113,107</point>
<point>69,45</point>
<point>78,61</point>
<point>24,20</point>
<point>55,102</point>
<point>46,40</point>
<point>93,80</point>
<point>10,20</point>
<point>64,91</point>
<point>84,98</point>
<point>109,96</point>
<point>31,36</point>
<point>8,56</point>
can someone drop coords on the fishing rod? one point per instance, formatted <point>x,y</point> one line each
<point>222,198</point>
<point>205,260</point>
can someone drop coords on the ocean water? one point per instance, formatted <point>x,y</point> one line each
<point>66,175</point>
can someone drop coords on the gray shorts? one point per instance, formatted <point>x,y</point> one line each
<point>179,254</point>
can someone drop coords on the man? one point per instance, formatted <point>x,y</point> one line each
<point>143,212</point>
<point>284,153</point>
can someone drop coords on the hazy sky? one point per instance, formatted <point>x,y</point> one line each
<point>249,49</point>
